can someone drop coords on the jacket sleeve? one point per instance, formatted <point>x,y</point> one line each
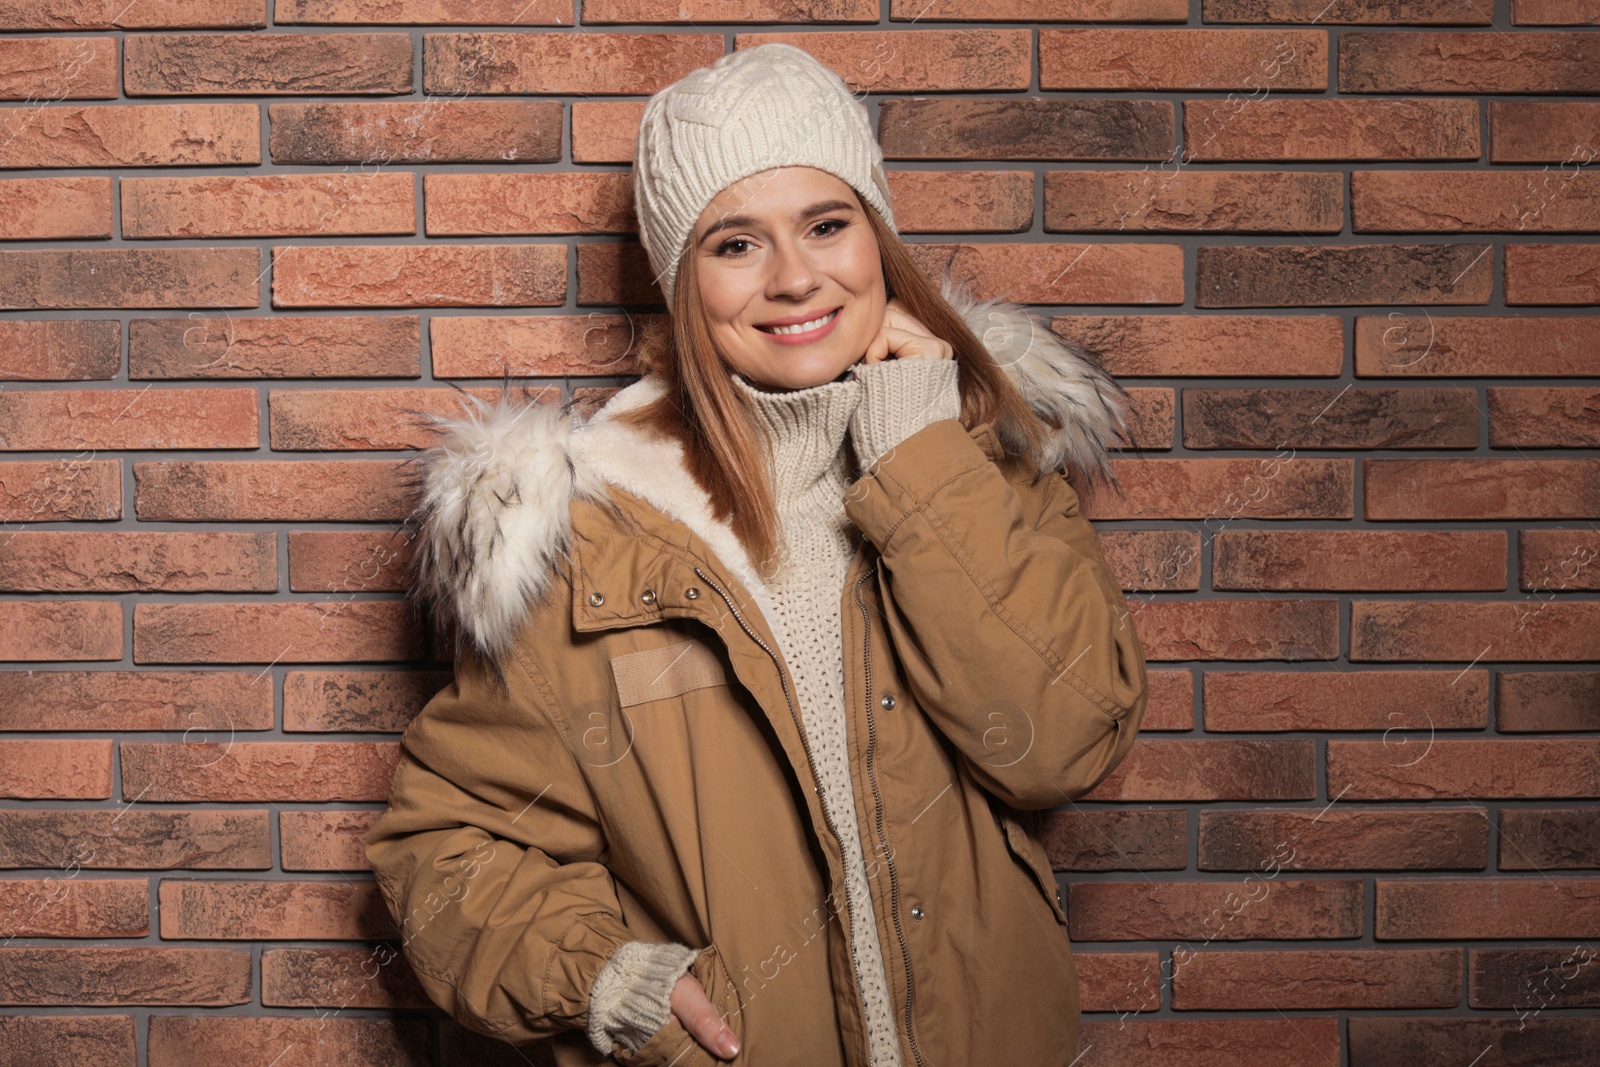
<point>1014,635</point>
<point>488,860</point>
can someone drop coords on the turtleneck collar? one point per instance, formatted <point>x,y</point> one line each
<point>806,431</point>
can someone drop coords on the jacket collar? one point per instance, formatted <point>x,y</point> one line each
<point>495,492</point>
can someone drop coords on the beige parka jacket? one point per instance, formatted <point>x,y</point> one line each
<point>642,774</point>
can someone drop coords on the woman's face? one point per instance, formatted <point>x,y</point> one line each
<point>791,244</point>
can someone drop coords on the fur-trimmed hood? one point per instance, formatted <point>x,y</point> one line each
<point>494,492</point>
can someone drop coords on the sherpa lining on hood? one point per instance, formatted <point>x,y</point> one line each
<point>495,489</point>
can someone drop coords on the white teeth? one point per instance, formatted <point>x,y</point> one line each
<point>804,326</point>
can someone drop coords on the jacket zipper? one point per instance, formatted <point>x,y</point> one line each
<point>872,746</point>
<point>810,762</point>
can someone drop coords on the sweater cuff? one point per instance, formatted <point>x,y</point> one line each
<point>631,996</point>
<point>898,398</point>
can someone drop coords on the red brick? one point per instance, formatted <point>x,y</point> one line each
<point>378,977</point>
<point>1398,560</point>
<point>200,703</point>
<point>1551,13</point>
<point>1153,560</point>
<point>239,64</point>
<point>1171,703</point>
<point>350,561</point>
<point>606,131</point>
<point>1358,979</point>
<point>1540,701</point>
<point>535,346</point>
<point>914,60</point>
<point>62,349</point>
<point>130,278</point>
<point>1026,128</point>
<point>1087,201</point>
<point>1278,346</point>
<point>1212,770</point>
<point>1240,629</point>
<point>1544,417</point>
<point>1095,840</point>
<point>1031,10</point>
<point>1221,490</point>
<point>1479,489</point>
<point>1301,1041</point>
<point>596,12</point>
<point>960,201</point>
<point>55,770</point>
<point>146,135</point>
<point>1119,981</point>
<point>251,910</point>
<point>66,905</point>
<point>42,70</point>
<point>1472,62</point>
<point>257,771</point>
<point>493,275</point>
<point>111,419</point>
<point>1329,839</point>
<point>60,630</point>
<point>1330,129</point>
<point>1415,13</point>
<point>437,12</point>
<point>125,975</point>
<point>1453,346</point>
<point>1163,60</point>
<point>1057,273</point>
<point>431,131</point>
<point>59,490</point>
<point>1531,979</point>
<point>1474,630</point>
<point>1330,418</point>
<point>1461,201</point>
<point>562,61</point>
<point>531,203</point>
<point>269,491</point>
<point>1333,275</point>
<point>325,840</point>
<point>1549,839</point>
<point>1553,274</point>
<point>304,346</point>
<point>74,561</point>
<point>279,632</point>
<point>120,14</point>
<point>77,1039</point>
<point>1544,131</point>
<point>275,205</point>
<point>329,420</point>
<point>1428,767</point>
<point>49,209</point>
<point>1524,1042</point>
<point>1453,909</point>
<point>362,701</point>
<point>185,1040</point>
<point>160,840</point>
<point>1256,907</point>
<point>1342,699</point>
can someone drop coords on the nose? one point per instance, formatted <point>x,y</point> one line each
<point>793,275</point>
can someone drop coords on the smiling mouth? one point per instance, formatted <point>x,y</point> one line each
<point>804,327</point>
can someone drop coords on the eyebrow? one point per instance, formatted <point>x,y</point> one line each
<point>733,222</point>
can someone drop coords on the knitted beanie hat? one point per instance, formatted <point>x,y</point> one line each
<point>752,110</point>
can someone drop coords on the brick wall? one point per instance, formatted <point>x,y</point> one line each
<point>1343,255</point>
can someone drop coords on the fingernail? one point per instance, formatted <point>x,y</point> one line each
<point>727,1044</point>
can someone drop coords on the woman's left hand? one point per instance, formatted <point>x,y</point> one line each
<point>903,337</point>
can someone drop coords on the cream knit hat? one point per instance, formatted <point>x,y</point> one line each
<point>752,110</point>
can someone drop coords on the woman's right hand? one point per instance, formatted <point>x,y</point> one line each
<point>701,1018</point>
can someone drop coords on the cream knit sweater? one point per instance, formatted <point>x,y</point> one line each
<point>875,406</point>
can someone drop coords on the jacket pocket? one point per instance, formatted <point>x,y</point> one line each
<point>673,1044</point>
<point>1030,851</point>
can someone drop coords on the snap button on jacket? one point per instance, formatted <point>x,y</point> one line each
<point>620,755</point>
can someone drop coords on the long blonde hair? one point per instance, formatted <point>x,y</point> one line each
<point>703,410</point>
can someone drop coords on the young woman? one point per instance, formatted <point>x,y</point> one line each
<point>764,670</point>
